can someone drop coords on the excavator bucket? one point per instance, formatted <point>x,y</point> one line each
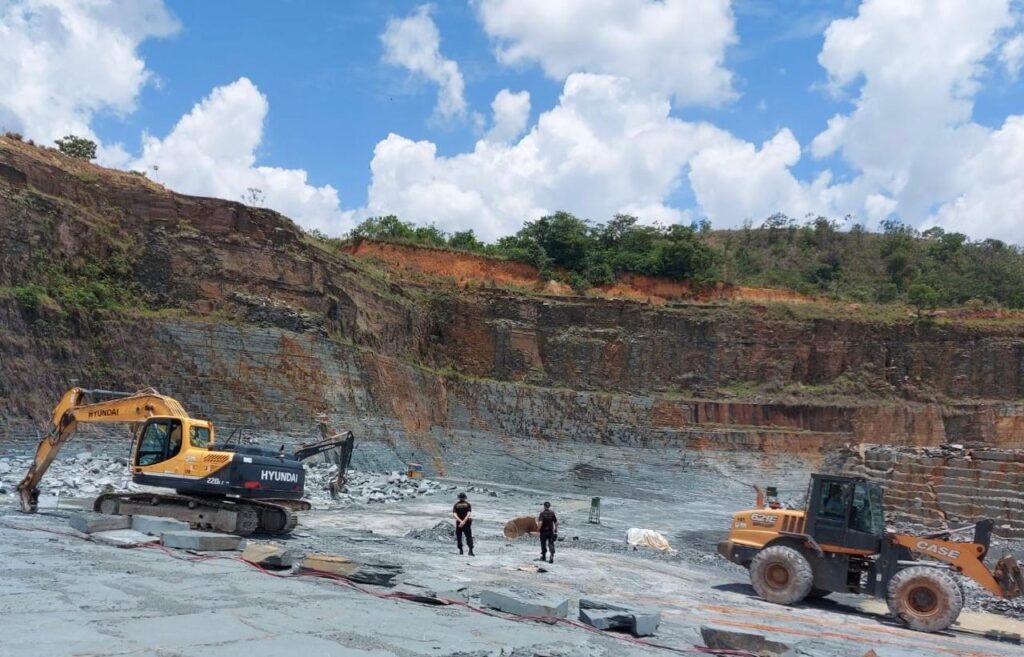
<point>1009,576</point>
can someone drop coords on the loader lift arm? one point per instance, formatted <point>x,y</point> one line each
<point>1005,581</point>
<point>71,410</point>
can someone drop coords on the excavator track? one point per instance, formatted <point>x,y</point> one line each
<point>223,514</point>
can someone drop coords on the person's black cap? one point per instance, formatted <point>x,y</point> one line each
<point>547,505</point>
<point>462,496</point>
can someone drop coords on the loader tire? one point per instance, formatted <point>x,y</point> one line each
<point>781,574</point>
<point>925,599</point>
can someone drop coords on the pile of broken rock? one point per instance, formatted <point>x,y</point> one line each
<point>86,474</point>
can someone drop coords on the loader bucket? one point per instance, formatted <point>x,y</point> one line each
<point>1010,577</point>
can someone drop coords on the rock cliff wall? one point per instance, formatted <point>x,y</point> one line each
<point>251,322</point>
<point>949,486</point>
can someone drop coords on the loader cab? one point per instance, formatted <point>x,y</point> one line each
<point>847,512</point>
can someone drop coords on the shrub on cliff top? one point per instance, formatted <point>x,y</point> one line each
<point>814,258</point>
<point>74,146</point>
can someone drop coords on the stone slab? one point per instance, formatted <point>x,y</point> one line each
<point>190,540</point>
<point>156,525</point>
<point>90,523</point>
<point>606,619</point>
<point>729,639</point>
<point>534,606</point>
<point>645,623</point>
<point>377,574</point>
<point>125,537</point>
<point>611,616</point>
<point>269,555</point>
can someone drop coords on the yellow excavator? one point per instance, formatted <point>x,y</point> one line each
<point>839,544</point>
<point>238,489</point>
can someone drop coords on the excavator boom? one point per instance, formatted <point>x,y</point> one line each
<point>70,411</point>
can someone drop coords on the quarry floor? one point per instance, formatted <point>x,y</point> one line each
<point>61,595</point>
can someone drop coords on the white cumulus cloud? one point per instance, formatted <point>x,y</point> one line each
<point>605,148</point>
<point>676,47</point>
<point>511,114</point>
<point>212,152</point>
<point>733,180</point>
<point>915,67</point>
<point>414,43</point>
<point>62,63</point>
<point>991,180</point>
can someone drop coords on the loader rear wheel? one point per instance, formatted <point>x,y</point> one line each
<point>781,574</point>
<point>925,599</point>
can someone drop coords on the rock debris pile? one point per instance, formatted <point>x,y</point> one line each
<point>85,474</point>
<point>75,475</point>
<point>365,487</point>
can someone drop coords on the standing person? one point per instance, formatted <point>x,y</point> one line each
<point>548,522</point>
<point>463,514</point>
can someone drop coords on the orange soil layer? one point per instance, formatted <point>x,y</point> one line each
<point>465,268</point>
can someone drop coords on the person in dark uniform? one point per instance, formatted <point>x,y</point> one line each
<point>463,514</point>
<point>548,522</point>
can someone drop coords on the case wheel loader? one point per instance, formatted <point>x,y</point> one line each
<point>839,544</point>
<point>237,489</point>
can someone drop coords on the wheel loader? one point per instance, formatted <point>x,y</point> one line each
<point>839,543</point>
<point>237,489</point>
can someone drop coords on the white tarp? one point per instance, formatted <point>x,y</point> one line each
<point>648,538</point>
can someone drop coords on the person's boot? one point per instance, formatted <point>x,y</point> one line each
<point>460,550</point>
<point>471,552</point>
<point>551,559</point>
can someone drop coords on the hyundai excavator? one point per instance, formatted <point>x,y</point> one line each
<point>839,543</point>
<point>237,489</point>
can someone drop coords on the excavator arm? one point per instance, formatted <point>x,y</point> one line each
<point>71,410</point>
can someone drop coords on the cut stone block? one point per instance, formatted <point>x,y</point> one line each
<point>190,540</point>
<point>156,526</point>
<point>534,606</point>
<point>610,616</point>
<point>364,573</point>
<point>125,537</point>
<point>90,523</point>
<point>645,623</point>
<point>607,619</point>
<point>333,564</point>
<point>759,644</point>
<point>269,555</point>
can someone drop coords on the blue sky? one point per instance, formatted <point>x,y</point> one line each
<point>298,99</point>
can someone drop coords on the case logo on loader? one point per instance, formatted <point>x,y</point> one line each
<point>931,548</point>
<point>277,475</point>
<point>763,519</point>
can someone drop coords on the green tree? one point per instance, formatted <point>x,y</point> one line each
<point>683,255</point>
<point>923,297</point>
<point>466,240</point>
<point>79,147</point>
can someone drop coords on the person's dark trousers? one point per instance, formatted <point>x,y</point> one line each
<point>467,531</point>
<point>547,542</point>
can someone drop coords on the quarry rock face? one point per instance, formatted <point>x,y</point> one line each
<point>252,323</point>
<point>949,486</point>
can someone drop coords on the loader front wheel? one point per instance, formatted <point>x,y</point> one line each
<point>781,574</point>
<point>925,599</point>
